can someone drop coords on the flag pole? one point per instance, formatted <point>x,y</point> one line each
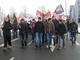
<point>66,16</point>
<point>65,7</point>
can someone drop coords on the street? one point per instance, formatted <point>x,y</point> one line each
<point>30,53</point>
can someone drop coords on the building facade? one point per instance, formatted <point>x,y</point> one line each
<point>75,11</point>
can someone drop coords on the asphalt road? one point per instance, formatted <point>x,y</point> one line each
<point>31,53</point>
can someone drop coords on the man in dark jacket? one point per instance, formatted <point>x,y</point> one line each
<point>56,24</point>
<point>15,26</point>
<point>23,27</point>
<point>38,33</point>
<point>73,30</point>
<point>6,32</point>
<point>61,32</point>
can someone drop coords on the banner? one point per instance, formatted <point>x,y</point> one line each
<point>46,14</point>
<point>38,13</point>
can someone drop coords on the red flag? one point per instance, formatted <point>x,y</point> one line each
<point>48,14</point>
<point>38,13</point>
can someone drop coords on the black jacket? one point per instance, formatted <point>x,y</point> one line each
<point>62,29</point>
<point>39,27</point>
<point>7,26</point>
<point>56,24</point>
<point>73,27</point>
<point>23,28</point>
<point>15,25</point>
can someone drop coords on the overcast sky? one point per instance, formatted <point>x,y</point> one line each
<point>33,5</point>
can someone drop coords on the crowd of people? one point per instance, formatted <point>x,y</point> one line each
<point>42,31</point>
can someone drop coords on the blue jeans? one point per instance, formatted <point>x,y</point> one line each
<point>56,39</point>
<point>33,36</point>
<point>61,40</point>
<point>23,40</point>
<point>48,36</point>
<point>73,37</point>
<point>38,39</point>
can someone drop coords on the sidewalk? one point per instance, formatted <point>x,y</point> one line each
<point>1,40</point>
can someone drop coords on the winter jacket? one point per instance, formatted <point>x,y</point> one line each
<point>39,26</point>
<point>33,26</point>
<point>62,29</point>
<point>15,25</point>
<point>56,24</point>
<point>49,27</point>
<point>73,27</point>
<point>23,27</point>
<point>7,28</point>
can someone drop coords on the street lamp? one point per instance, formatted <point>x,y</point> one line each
<point>66,7</point>
<point>66,17</point>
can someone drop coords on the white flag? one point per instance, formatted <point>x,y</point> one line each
<point>59,9</point>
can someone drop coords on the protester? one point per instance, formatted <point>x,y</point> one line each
<point>49,31</point>
<point>33,29</point>
<point>56,24</point>
<point>7,32</point>
<point>61,32</point>
<point>73,30</point>
<point>23,27</point>
<point>38,33</point>
<point>15,26</point>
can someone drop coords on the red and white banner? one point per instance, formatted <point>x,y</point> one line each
<point>48,14</point>
<point>40,14</point>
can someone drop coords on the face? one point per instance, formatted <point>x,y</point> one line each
<point>6,19</point>
<point>53,18</point>
<point>60,21</point>
<point>22,21</point>
<point>33,20</point>
<point>39,19</point>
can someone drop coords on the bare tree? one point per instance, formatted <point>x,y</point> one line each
<point>1,19</point>
<point>1,16</point>
<point>12,13</point>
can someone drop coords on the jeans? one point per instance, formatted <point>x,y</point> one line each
<point>56,39</point>
<point>23,40</point>
<point>14,33</point>
<point>49,37</point>
<point>73,37</point>
<point>33,36</point>
<point>61,41</point>
<point>0,33</point>
<point>38,39</point>
<point>7,40</point>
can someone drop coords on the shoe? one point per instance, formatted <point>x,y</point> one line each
<point>50,45</point>
<point>36,46</point>
<point>4,48</point>
<point>25,43</point>
<point>46,46</point>
<point>22,45</point>
<point>58,48</point>
<point>72,43</point>
<point>9,47</point>
<point>64,47</point>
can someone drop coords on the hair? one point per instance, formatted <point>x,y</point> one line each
<point>33,19</point>
<point>22,19</point>
<point>49,19</point>
<point>39,18</point>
